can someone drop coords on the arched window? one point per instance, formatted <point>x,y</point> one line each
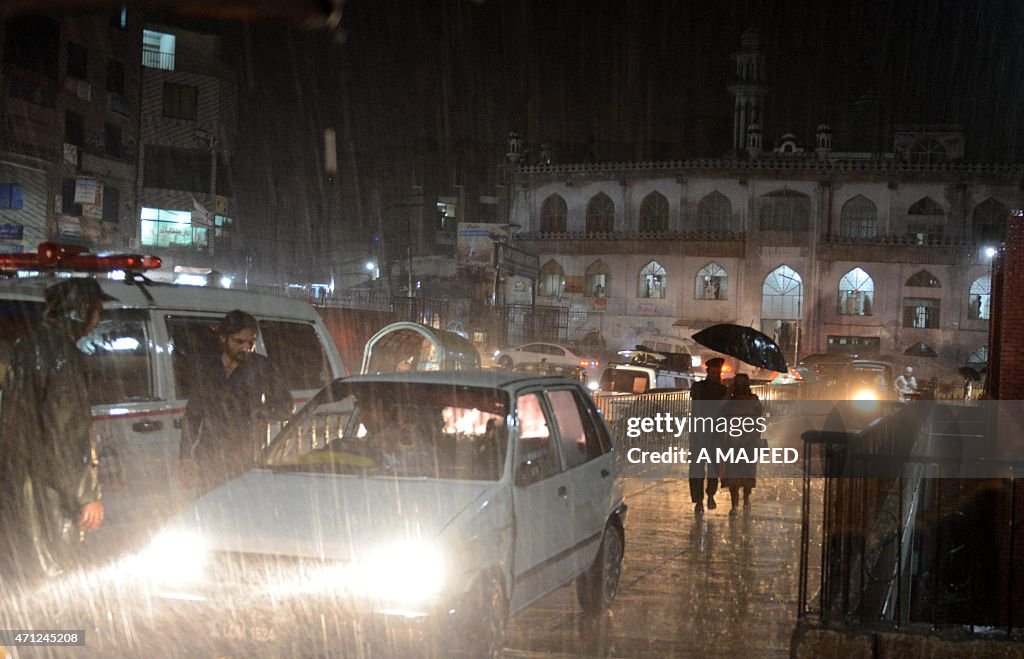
<point>782,294</point>
<point>652,282</point>
<point>856,293</point>
<point>979,356</point>
<point>654,212</point>
<point>926,151</point>
<point>554,214</point>
<point>600,214</point>
<point>859,218</point>
<point>785,210</point>
<point>925,221</point>
<point>551,282</point>
<point>712,283</point>
<point>598,279</point>
<point>714,213</point>
<point>926,206</point>
<point>988,221</point>
<point>923,279</point>
<point>979,305</point>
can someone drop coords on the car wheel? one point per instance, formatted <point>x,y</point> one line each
<point>597,587</point>
<point>505,362</point>
<point>481,630</point>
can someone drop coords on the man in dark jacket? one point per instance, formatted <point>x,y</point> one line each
<point>237,393</point>
<point>706,409</point>
<point>49,486</point>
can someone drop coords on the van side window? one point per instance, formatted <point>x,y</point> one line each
<point>192,342</point>
<point>118,356</point>
<point>296,353</point>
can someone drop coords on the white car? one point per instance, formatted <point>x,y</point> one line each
<point>440,501</point>
<point>533,353</point>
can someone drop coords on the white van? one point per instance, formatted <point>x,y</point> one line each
<point>142,358</point>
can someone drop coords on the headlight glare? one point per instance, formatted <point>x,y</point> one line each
<point>172,557</point>
<point>405,572</point>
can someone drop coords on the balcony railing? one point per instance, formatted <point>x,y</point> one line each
<point>899,241</point>
<point>155,59</point>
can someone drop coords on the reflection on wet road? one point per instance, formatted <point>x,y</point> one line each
<point>717,585</point>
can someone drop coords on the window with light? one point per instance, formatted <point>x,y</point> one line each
<point>712,283</point>
<point>653,281</point>
<point>856,293</point>
<point>551,282</point>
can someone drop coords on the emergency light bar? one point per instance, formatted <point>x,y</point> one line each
<point>75,258</point>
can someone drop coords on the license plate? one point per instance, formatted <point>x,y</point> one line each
<point>245,630</point>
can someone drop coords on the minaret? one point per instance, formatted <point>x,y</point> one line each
<point>748,86</point>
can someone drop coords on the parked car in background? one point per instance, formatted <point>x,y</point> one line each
<point>537,352</point>
<point>406,499</point>
<point>848,378</point>
<point>641,379</point>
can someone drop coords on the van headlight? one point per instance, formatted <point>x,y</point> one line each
<point>405,572</point>
<point>173,557</point>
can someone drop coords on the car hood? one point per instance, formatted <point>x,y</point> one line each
<point>323,516</point>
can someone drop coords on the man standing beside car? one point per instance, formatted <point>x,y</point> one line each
<point>706,412</point>
<point>49,484</point>
<point>237,394</point>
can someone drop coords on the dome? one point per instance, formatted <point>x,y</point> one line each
<point>751,38</point>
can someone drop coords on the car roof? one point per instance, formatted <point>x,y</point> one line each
<point>169,296</point>
<point>488,378</point>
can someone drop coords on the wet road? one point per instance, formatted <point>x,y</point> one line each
<point>691,587</point>
<point>719,585</point>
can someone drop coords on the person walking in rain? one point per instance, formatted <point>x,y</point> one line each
<point>704,397</point>
<point>906,384</point>
<point>49,481</point>
<point>237,394</point>
<point>743,404</point>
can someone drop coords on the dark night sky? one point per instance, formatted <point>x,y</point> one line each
<point>651,75</point>
<point>431,89</point>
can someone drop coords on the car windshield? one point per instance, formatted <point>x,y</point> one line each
<point>409,430</point>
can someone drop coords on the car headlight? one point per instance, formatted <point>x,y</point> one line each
<point>172,557</point>
<point>402,572</point>
<point>865,394</point>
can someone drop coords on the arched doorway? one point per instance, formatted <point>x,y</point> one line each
<point>782,303</point>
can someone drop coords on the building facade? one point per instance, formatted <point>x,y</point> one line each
<point>188,134</point>
<point>69,129</point>
<point>877,253</point>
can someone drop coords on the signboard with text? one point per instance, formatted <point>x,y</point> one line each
<point>475,240</point>
<point>516,261</point>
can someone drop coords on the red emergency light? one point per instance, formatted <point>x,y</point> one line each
<point>75,258</point>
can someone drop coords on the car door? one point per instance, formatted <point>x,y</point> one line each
<point>133,421</point>
<point>531,352</point>
<point>542,558</point>
<point>589,463</point>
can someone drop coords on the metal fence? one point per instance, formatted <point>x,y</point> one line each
<point>899,544</point>
<point>616,408</point>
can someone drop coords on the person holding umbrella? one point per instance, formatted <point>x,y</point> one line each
<point>705,396</point>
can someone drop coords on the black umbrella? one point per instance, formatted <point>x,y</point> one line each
<point>745,344</point>
<point>969,373</point>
